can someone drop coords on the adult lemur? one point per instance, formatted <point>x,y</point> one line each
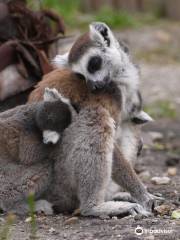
<point>89,157</point>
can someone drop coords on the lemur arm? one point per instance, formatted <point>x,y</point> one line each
<point>124,174</point>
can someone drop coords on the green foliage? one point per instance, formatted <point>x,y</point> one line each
<point>161,109</point>
<point>6,228</point>
<point>75,18</point>
<point>31,204</point>
<point>68,9</point>
<point>116,18</point>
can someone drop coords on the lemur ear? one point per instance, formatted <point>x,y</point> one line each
<point>61,61</point>
<point>101,33</point>
<point>142,117</point>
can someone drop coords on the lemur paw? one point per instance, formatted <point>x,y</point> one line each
<point>43,206</point>
<point>52,94</point>
<point>151,202</point>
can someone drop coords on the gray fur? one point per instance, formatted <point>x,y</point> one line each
<point>24,163</point>
<point>21,145</point>
<point>83,169</point>
<point>69,187</point>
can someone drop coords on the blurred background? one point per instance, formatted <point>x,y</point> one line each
<point>151,29</point>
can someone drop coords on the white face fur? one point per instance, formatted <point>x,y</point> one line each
<point>106,60</point>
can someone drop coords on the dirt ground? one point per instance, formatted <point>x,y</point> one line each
<point>155,160</point>
<point>155,50</point>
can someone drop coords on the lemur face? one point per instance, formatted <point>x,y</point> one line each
<point>98,56</point>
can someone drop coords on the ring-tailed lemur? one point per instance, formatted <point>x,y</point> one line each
<point>88,143</point>
<point>100,59</point>
<point>24,130</point>
<point>87,152</point>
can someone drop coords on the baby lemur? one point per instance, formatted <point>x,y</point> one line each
<point>91,156</point>
<point>23,131</point>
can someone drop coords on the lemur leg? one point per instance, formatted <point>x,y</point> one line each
<point>92,184</point>
<point>18,181</point>
<point>93,167</point>
<point>124,174</point>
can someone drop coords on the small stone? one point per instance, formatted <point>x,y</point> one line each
<point>145,175</point>
<point>160,180</point>
<point>172,171</point>
<point>162,209</point>
<point>176,214</point>
<point>151,237</point>
<point>71,220</point>
<point>138,217</point>
<point>158,194</point>
<point>29,219</point>
<point>2,219</point>
<point>173,160</point>
<point>156,136</point>
<point>52,230</point>
<point>154,221</point>
<point>77,212</point>
<point>163,37</point>
<point>115,218</point>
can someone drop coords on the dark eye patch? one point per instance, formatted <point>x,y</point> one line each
<point>94,64</point>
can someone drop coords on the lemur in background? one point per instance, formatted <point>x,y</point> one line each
<point>89,155</point>
<point>98,57</point>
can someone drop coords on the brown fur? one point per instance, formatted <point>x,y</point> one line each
<point>74,88</point>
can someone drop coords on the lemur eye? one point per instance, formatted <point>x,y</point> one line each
<point>94,64</point>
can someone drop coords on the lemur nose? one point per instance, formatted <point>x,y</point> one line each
<point>97,85</point>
